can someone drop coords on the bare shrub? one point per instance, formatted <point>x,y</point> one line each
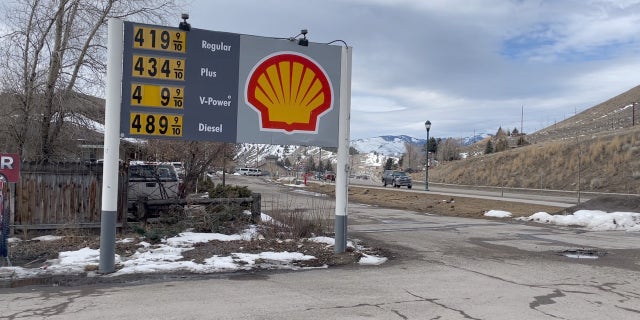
<point>596,183</point>
<point>291,222</point>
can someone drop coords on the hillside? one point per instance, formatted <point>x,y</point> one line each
<point>608,117</point>
<point>595,150</point>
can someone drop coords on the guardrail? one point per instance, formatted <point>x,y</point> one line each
<point>572,196</point>
<point>551,192</point>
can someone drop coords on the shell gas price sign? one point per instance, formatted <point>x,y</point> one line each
<point>218,86</point>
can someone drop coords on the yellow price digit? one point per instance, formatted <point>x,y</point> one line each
<point>157,96</point>
<point>166,125</point>
<point>159,39</point>
<point>158,68</point>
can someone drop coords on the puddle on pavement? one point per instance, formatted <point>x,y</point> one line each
<point>397,221</point>
<point>591,254</point>
<point>249,277</point>
<point>27,282</point>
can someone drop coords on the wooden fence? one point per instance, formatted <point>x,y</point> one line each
<point>67,196</point>
<point>70,196</point>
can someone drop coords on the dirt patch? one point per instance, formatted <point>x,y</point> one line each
<point>433,203</point>
<point>323,253</point>
<point>35,253</point>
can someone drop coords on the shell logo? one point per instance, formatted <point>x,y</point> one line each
<point>290,92</point>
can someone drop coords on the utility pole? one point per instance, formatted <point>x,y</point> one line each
<point>579,156</point>
<point>522,121</point>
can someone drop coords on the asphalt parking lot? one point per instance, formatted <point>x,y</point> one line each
<point>439,268</point>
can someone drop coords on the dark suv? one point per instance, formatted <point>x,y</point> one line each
<point>396,178</point>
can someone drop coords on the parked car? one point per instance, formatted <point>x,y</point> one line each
<point>249,171</point>
<point>329,176</point>
<point>396,178</point>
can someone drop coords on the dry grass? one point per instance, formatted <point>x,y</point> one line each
<point>433,203</point>
<point>607,163</point>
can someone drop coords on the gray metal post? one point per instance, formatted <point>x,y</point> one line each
<point>427,125</point>
<point>342,167</point>
<point>115,46</point>
<point>426,178</point>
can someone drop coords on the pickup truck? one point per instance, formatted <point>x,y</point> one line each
<point>152,181</point>
<point>396,178</point>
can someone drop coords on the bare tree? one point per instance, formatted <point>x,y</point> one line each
<point>448,150</point>
<point>54,54</point>
<point>412,156</point>
<point>197,157</point>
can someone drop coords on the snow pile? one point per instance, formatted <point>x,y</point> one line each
<point>591,219</point>
<point>497,214</point>
<point>366,259</point>
<point>371,260</point>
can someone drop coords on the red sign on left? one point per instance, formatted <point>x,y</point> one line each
<point>10,166</point>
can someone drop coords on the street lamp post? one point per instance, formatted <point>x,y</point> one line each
<point>427,125</point>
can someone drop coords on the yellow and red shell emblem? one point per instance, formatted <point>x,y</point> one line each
<point>289,91</point>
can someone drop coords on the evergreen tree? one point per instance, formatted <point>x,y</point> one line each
<point>389,164</point>
<point>287,162</point>
<point>500,142</point>
<point>489,148</point>
<point>432,145</point>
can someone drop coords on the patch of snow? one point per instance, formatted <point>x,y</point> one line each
<point>591,219</point>
<point>47,238</point>
<point>167,257</point>
<point>497,214</point>
<point>309,193</point>
<point>371,260</point>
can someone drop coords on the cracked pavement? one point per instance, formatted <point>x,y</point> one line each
<point>441,268</point>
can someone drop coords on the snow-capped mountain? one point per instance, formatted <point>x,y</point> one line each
<point>254,154</point>
<point>466,141</point>
<point>386,145</point>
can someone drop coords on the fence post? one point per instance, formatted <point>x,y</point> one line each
<point>4,224</point>
<point>256,207</point>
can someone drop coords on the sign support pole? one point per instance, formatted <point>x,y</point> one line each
<point>115,46</point>
<point>342,169</point>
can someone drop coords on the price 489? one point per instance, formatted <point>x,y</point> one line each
<point>156,124</point>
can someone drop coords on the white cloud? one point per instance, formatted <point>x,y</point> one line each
<point>462,64</point>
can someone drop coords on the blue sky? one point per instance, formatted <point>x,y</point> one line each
<point>466,65</point>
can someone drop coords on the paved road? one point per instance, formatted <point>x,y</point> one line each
<point>441,268</point>
<point>535,196</point>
